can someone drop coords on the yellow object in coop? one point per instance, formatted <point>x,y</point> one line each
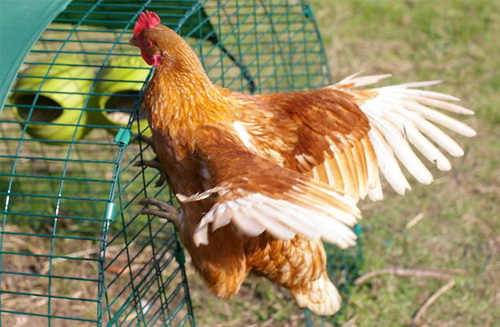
<point>117,92</point>
<point>52,102</point>
<point>62,98</point>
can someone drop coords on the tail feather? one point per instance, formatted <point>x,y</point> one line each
<point>319,296</point>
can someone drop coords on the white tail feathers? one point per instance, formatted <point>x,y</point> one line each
<point>321,297</point>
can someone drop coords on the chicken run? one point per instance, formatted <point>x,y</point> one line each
<point>241,155</point>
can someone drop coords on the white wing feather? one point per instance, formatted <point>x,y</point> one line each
<point>256,213</point>
<point>402,119</point>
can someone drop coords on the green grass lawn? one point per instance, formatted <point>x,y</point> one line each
<point>456,41</point>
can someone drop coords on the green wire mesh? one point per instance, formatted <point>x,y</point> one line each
<point>72,248</point>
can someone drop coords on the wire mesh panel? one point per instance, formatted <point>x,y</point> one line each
<point>276,43</point>
<point>72,247</point>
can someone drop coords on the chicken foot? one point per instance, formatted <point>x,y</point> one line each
<point>165,210</point>
<point>154,163</point>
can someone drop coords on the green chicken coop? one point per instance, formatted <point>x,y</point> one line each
<point>73,249</point>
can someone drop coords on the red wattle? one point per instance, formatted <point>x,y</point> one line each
<point>147,58</point>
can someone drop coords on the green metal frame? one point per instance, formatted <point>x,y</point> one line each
<point>72,247</point>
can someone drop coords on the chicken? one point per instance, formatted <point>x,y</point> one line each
<point>263,180</point>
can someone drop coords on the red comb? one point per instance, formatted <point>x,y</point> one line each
<point>147,19</point>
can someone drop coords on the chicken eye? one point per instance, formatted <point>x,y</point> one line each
<point>147,43</point>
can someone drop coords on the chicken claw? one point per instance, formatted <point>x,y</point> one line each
<point>165,209</point>
<point>153,164</point>
<point>148,163</point>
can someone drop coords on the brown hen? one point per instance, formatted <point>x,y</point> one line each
<point>263,179</point>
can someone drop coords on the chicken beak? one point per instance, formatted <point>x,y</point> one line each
<point>132,41</point>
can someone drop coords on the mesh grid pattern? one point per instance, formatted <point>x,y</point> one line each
<point>72,247</point>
